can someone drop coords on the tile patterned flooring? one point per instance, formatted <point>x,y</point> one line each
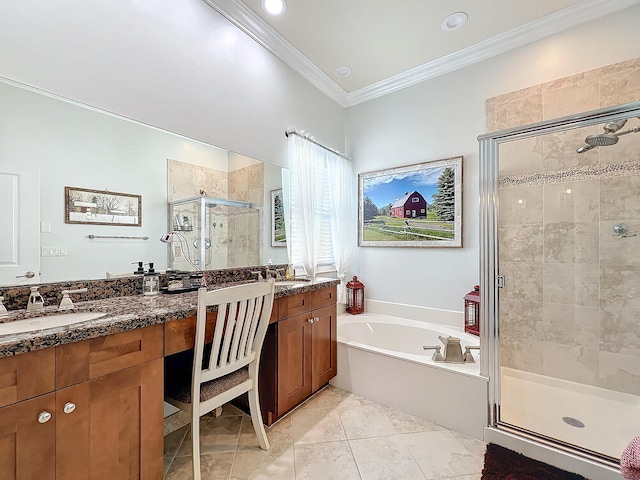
<point>335,435</point>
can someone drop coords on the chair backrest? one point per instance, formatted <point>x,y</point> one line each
<point>242,318</point>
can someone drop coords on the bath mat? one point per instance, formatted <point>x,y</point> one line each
<point>503,464</point>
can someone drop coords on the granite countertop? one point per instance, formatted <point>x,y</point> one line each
<point>122,314</point>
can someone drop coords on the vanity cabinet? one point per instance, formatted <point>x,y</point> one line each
<point>306,348</point>
<point>103,419</point>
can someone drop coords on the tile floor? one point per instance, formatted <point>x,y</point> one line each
<point>335,435</point>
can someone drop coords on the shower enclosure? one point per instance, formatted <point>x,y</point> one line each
<point>214,233</point>
<point>560,286</point>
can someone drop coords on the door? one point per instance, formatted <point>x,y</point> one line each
<point>324,360</point>
<point>27,439</point>
<point>294,361</point>
<point>115,427</point>
<point>19,223</point>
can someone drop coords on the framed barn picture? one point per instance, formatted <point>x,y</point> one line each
<point>278,234</point>
<point>412,206</point>
<point>101,207</point>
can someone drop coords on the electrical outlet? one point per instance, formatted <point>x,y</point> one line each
<point>50,251</point>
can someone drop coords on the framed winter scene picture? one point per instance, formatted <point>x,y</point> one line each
<point>101,207</point>
<point>416,205</point>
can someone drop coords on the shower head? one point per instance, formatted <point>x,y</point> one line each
<point>601,140</point>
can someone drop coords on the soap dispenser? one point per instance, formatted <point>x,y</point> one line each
<point>140,270</point>
<point>151,282</point>
<point>36,302</point>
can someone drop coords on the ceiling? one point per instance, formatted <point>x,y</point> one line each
<point>389,49</point>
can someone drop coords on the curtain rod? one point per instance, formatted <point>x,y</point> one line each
<point>293,131</point>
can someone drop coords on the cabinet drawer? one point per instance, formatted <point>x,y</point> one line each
<point>295,305</point>
<point>180,335</point>
<point>322,298</point>
<point>26,375</point>
<point>80,361</point>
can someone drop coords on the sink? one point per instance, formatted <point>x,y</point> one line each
<point>49,321</point>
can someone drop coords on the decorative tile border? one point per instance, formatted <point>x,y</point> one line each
<point>587,172</point>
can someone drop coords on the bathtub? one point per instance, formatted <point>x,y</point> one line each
<point>381,357</point>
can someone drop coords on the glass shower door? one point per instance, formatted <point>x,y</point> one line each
<point>569,313</point>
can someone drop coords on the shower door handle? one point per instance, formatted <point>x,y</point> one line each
<point>500,281</point>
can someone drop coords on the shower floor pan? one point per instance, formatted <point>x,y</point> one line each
<point>592,418</point>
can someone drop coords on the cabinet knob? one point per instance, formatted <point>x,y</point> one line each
<point>69,407</point>
<point>310,320</point>
<point>316,319</point>
<point>44,417</point>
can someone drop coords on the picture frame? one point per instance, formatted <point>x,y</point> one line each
<point>278,233</point>
<point>417,205</point>
<point>102,207</point>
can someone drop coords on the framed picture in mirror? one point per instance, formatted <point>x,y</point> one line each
<point>278,234</point>
<point>411,206</point>
<point>102,207</point>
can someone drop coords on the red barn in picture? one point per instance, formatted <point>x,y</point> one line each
<point>410,205</point>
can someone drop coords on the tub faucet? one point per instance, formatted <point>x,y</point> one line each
<point>452,351</point>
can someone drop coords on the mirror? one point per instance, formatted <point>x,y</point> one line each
<point>60,143</point>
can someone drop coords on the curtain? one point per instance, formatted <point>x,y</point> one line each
<point>343,219</point>
<point>322,209</point>
<point>303,159</point>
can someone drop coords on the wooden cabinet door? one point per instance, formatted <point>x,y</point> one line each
<point>323,365</point>
<point>294,361</point>
<point>27,447</point>
<point>116,428</point>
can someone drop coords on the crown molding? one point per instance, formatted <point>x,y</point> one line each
<point>253,25</point>
<point>528,33</point>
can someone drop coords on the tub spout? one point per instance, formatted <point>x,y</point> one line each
<point>452,349</point>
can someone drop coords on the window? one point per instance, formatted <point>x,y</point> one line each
<point>415,199</point>
<point>408,212</point>
<point>422,210</point>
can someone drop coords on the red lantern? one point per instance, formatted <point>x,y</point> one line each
<point>355,296</point>
<point>472,311</point>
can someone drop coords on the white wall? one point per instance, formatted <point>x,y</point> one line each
<point>177,65</point>
<point>441,118</point>
<point>78,147</point>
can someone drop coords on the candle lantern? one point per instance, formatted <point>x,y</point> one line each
<point>355,296</point>
<point>472,311</point>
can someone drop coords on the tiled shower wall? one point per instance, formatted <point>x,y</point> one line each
<point>571,305</point>
<point>237,239</point>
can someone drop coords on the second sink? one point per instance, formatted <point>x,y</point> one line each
<point>35,324</point>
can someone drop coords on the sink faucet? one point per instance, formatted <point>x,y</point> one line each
<point>35,302</point>
<point>66,303</point>
<point>259,275</point>
<point>276,273</point>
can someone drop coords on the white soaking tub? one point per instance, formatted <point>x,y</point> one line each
<point>381,357</point>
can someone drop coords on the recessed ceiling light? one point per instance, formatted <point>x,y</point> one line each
<point>454,21</point>
<point>342,71</point>
<point>274,7</point>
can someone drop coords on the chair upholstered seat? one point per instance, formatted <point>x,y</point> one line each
<point>182,392</point>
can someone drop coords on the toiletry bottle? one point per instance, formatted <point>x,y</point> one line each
<point>140,269</point>
<point>290,272</point>
<point>151,282</point>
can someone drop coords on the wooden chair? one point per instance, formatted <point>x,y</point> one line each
<point>228,367</point>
